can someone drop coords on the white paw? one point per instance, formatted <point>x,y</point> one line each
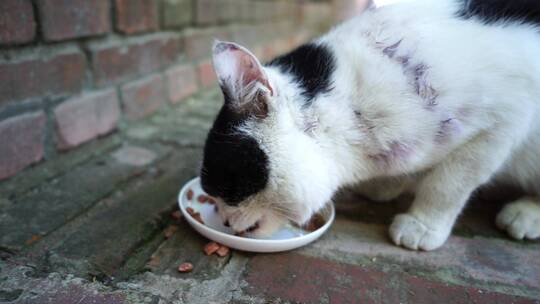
<point>407,231</point>
<point>520,219</point>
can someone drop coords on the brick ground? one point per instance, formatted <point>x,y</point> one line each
<point>310,280</point>
<point>89,227</point>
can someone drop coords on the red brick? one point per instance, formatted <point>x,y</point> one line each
<point>297,278</point>
<point>17,22</point>
<point>142,97</point>
<point>181,82</point>
<point>22,142</point>
<point>65,19</point>
<point>472,259</point>
<point>207,76</point>
<point>422,291</point>
<point>59,75</point>
<point>85,117</point>
<point>117,63</point>
<point>177,13</point>
<point>170,50</point>
<point>135,16</point>
<point>207,12</point>
<point>198,45</point>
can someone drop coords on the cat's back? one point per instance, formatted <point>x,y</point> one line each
<point>464,43</point>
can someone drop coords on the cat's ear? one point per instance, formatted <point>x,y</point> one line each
<point>241,76</point>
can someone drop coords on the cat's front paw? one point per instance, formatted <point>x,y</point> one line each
<point>520,219</point>
<point>409,232</point>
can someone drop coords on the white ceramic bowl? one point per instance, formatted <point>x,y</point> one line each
<point>287,238</point>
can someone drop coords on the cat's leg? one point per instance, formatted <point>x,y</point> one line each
<point>445,189</point>
<point>521,219</point>
<point>383,189</point>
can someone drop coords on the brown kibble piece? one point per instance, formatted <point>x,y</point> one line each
<point>33,239</point>
<point>241,233</point>
<point>185,267</point>
<point>211,201</point>
<point>211,248</point>
<point>316,222</point>
<point>197,217</point>
<point>222,251</point>
<point>170,230</point>
<point>177,215</point>
<point>202,199</point>
<point>189,194</point>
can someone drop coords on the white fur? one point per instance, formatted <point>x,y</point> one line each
<point>486,80</point>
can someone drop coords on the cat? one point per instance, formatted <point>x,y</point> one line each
<point>442,96</point>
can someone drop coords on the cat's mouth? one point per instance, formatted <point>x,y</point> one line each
<point>250,229</point>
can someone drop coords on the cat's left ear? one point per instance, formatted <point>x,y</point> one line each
<point>239,72</point>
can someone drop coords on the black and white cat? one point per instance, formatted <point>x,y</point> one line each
<point>445,92</point>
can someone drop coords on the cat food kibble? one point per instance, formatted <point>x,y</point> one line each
<point>198,218</point>
<point>316,222</point>
<point>211,201</point>
<point>202,199</point>
<point>222,251</point>
<point>195,215</point>
<point>211,248</point>
<point>185,267</point>
<point>189,194</point>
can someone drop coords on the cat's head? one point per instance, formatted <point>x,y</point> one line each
<point>260,160</point>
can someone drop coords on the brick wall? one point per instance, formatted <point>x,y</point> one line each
<point>71,70</point>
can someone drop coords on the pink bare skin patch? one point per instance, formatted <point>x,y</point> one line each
<point>417,73</point>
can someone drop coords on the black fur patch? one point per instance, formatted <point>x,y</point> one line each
<point>491,11</point>
<point>234,167</point>
<point>311,65</point>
